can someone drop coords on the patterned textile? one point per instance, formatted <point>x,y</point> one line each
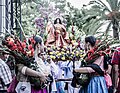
<point>5,74</point>
<point>97,85</point>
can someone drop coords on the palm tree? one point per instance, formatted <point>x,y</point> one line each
<point>102,12</point>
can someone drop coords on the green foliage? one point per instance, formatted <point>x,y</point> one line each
<point>95,17</point>
<point>29,13</point>
<point>86,21</point>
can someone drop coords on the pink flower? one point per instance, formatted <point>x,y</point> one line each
<point>14,47</point>
<point>30,47</point>
<point>23,44</point>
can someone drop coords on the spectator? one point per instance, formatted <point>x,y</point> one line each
<point>5,75</point>
<point>116,70</point>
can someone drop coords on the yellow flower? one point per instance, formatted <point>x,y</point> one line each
<point>81,50</point>
<point>63,58</point>
<point>62,52</point>
<point>29,53</point>
<point>72,53</point>
<point>77,54</point>
<point>53,57</point>
<point>48,48</point>
<point>59,54</point>
<point>65,47</point>
<point>82,55</point>
<point>73,41</point>
<point>51,53</point>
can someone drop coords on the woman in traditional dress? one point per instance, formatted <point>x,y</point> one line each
<point>57,34</point>
<point>97,82</point>
<point>43,69</point>
<point>23,72</point>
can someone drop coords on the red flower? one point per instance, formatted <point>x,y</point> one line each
<point>32,52</point>
<point>14,47</point>
<point>11,43</point>
<point>30,47</point>
<point>32,41</point>
<point>24,41</point>
<point>18,43</point>
<point>23,44</point>
<point>20,49</point>
<point>90,52</point>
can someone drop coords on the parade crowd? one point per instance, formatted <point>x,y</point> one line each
<point>48,71</point>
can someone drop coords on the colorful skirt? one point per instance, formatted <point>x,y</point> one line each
<point>97,85</point>
<point>39,91</point>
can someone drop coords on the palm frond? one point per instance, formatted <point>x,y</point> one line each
<point>95,2</point>
<point>104,5</point>
<point>108,27</point>
<point>113,4</point>
<point>97,26</point>
<point>118,6</point>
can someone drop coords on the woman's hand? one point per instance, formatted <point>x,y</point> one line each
<point>43,78</point>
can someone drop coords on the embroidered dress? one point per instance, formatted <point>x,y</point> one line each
<point>97,83</point>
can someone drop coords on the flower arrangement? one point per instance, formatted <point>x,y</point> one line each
<point>101,48</point>
<point>21,51</point>
<point>64,54</point>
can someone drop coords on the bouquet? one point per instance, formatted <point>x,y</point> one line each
<point>101,49</point>
<point>23,53</point>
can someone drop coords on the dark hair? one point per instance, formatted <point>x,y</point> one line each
<point>38,40</point>
<point>91,40</point>
<point>55,22</point>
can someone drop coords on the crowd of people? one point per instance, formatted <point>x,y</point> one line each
<point>57,76</point>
